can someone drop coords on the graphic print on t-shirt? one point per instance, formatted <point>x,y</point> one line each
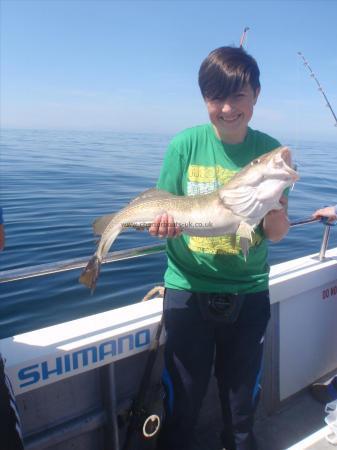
<point>203,180</point>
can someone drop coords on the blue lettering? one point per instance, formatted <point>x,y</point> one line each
<point>46,372</point>
<point>142,338</point>
<point>82,358</point>
<point>27,373</point>
<point>67,363</point>
<point>111,349</point>
<point>85,356</point>
<point>129,338</point>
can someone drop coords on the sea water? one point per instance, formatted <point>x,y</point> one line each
<point>54,183</point>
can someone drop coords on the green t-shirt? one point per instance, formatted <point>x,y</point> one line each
<point>198,162</point>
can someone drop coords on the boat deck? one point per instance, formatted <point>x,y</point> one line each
<point>298,425</point>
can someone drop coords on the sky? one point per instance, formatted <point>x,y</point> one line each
<point>132,66</point>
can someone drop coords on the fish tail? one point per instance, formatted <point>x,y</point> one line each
<point>107,243</point>
<point>90,273</point>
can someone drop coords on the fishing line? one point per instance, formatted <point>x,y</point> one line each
<point>297,108</point>
<point>312,75</point>
<point>300,54</point>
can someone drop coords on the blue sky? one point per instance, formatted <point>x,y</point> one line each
<point>132,66</point>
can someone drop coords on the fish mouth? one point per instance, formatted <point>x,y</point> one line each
<point>288,165</point>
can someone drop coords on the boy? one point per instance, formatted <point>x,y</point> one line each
<point>216,304</point>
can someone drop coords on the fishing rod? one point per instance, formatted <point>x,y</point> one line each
<point>300,54</point>
<point>304,221</point>
<point>243,36</point>
<point>146,413</point>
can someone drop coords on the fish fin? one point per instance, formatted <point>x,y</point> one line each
<point>241,201</point>
<point>100,224</point>
<point>90,274</point>
<point>245,231</point>
<point>152,193</point>
<point>244,244</point>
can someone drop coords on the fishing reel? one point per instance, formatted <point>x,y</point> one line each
<point>144,424</point>
<point>151,426</point>
<point>147,425</point>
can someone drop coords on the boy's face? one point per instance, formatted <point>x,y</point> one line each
<point>231,116</point>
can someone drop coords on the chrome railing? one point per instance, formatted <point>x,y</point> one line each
<point>325,238</point>
<point>78,263</point>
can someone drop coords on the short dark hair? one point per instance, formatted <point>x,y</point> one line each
<point>225,71</point>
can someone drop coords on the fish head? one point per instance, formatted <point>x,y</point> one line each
<point>276,173</point>
<point>278,164</point>
<point>258,187</point>
<point>275,165</point>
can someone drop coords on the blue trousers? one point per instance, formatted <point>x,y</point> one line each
<point>194,343</point>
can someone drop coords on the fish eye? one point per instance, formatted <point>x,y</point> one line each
<point>255,161</point>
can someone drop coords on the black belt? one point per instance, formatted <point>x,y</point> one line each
<point>221,307</point>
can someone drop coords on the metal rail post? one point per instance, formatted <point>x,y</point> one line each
<point>325,241</point>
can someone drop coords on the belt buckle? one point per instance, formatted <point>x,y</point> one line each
<point>221,303</point>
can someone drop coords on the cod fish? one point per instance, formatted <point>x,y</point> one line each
<point>234,209</point>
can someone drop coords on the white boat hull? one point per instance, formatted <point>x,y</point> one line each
<point>64,375</point>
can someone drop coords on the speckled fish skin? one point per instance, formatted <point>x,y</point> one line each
<point>234,209</point>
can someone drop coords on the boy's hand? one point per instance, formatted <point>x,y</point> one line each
<point>165,227</point>
<point>329,212</point>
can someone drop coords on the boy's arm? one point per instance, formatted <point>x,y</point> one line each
<point>276,224</point>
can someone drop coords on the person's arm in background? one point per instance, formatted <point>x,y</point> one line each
<point>2,232</point>
<point>330,212</point>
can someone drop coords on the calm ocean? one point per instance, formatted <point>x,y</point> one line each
<point>53,184</point>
